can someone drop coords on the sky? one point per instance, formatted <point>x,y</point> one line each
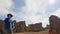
<point>31,11</point>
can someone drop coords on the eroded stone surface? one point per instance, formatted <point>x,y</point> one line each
<point>54,24</point>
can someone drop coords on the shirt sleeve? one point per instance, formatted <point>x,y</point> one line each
<point>6,20</point>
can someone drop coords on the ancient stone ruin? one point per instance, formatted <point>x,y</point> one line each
<point>54,25</point>
<point>35,27</point>
<point>47,27</point>
<point>2,26</point>
<point>19,26</point>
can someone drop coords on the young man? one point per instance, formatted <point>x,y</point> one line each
<point>8,24</point>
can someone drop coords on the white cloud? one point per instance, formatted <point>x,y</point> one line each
<point>4,6</point>
<point>5,3</point>
<point>33,18</point>
<point>57,12</point>
<point>51,2</point>
<point>32,7</point>
<point>36,5</point>
<point>28,12</point>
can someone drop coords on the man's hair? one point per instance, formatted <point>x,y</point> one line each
<point>9,15</point>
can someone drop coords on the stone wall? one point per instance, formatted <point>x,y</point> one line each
<point>47,27</point>
<point>19,26</point>
<point>35,27</point>
<point>2,26</point>
<point>54,25</point>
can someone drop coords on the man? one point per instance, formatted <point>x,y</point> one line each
<point>8,24</point>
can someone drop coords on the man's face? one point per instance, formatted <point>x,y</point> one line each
<point>9,16</point>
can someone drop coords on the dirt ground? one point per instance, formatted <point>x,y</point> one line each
<point>42,32</point>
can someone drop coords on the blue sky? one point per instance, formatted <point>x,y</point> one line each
<point>32,11</point>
